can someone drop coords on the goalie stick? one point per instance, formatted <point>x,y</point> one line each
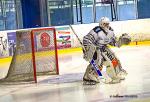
<point>97,70</point>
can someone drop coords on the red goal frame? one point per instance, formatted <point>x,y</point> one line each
<point>33,49</point>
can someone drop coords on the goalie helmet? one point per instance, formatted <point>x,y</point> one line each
<point>104,22</point>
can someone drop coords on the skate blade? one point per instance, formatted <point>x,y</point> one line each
<point>114,82</point>
<point>89,83</point>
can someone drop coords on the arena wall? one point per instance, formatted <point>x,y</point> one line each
<point>137,29</point>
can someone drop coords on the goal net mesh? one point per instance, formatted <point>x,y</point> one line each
<point>33,47</point>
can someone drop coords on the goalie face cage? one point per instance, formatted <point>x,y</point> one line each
<point>35,54</point>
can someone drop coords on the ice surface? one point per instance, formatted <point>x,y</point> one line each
<point>68,87</point>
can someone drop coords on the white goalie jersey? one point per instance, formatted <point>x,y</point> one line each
<point>100,37</point>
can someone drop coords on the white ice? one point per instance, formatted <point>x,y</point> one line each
<point>68,86</point>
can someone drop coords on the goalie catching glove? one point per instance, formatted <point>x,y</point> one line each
<point>124,39</point>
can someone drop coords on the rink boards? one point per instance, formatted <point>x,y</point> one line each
<point>68,50</point>
<point>5,62</point>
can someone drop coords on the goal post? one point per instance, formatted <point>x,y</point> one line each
<point>35,54</point>
<point>44,51</point>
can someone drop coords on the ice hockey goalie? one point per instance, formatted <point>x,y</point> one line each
<point>96,47</point>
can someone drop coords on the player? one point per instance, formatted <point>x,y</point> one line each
<point>96,47</point>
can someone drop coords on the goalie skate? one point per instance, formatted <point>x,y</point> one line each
<point>114,81</point>
<point>123,72</point>
<point>122,75</point>
<point>89,82</point>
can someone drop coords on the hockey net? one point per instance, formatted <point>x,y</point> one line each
<point>35,54</point>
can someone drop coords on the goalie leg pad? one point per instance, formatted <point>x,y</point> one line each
<point>110,70</point>
<point>118,67</point>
